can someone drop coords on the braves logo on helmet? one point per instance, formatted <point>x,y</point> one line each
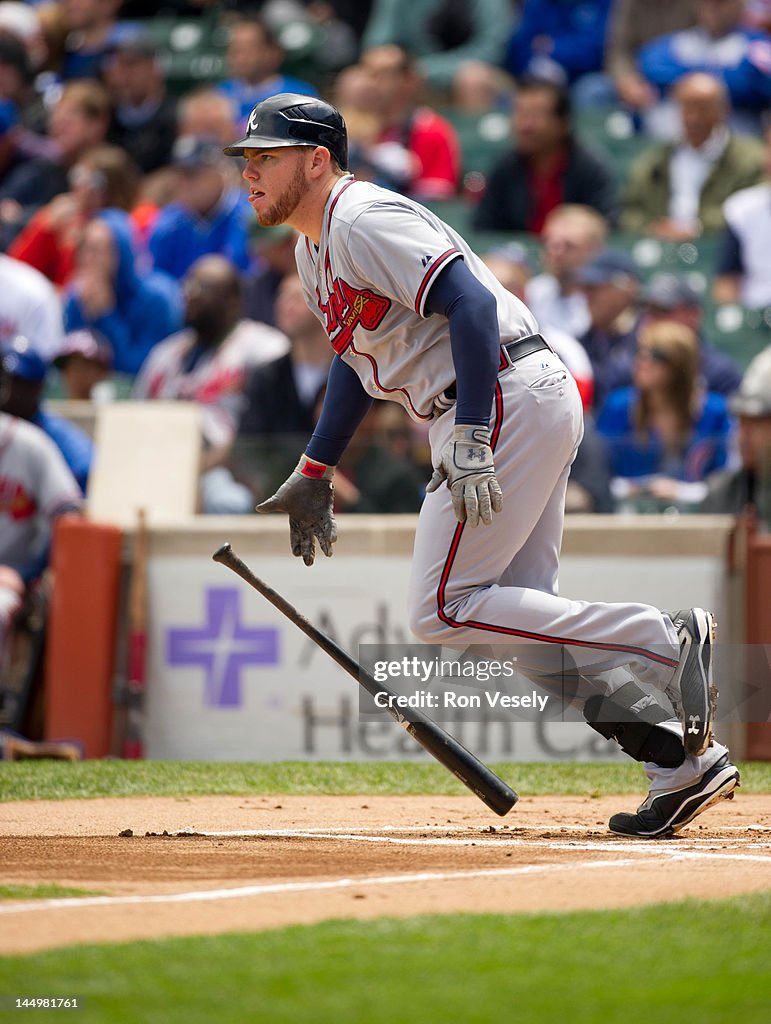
<point>253,123</point>
<point>346,308</point>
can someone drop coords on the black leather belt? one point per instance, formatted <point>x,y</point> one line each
<point>510,353</point>
<point>515,350</point>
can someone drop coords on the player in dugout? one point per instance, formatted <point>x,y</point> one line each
<point>414,316</point>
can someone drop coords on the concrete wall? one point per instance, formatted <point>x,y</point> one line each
<point>230,679</point>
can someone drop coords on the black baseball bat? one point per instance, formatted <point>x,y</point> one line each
<point>445,748</point>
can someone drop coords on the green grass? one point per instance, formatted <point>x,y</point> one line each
<point>56,780</point>
<point>706,962</point>
<point>42,892</point>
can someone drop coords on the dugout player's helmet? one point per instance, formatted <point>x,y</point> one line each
<point>291,119</point>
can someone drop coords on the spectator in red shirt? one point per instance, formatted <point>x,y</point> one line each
<point>104,177</point>
<point>431,141</point>
<point>545,168</point>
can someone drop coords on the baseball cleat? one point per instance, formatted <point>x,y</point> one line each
<point>665,812</point>
<point>697,703</point>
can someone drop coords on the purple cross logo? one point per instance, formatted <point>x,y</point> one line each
<point>223,647</point>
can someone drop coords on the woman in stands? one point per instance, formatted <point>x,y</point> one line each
<point>665,433</point>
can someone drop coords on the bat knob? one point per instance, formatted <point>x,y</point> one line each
<point>222,553</point>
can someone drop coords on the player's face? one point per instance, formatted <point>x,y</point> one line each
<point>277,182</point>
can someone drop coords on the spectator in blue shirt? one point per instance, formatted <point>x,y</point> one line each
<point>721,45</point>
<point>559,39</point>
<point>133,310</point>
<point>254,59</point>
<point>665,433</point>
<point>210,216</point>
<point>88,28</point>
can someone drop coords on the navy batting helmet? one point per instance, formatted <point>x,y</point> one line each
<point>291,119</point>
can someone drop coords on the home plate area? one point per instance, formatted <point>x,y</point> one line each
<point>154,867</point>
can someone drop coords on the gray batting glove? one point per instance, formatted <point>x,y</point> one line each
<point>307,498</point>
<point>467,466</point>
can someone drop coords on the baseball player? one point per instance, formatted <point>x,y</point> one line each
<point>35,486</point>
<point>414,316</point>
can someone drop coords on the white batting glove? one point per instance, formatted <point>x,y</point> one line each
<point>467,466</point>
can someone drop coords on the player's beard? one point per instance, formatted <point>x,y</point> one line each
<point>286,204</point>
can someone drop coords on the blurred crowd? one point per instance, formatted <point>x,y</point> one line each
<point>610,159</point>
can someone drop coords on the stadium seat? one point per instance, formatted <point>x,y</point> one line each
<point>482,138</point>
<point>192,51</point>
<point>610,132</point>
<point>122,385</point>
<point>302,42</point>
<point>739,332</point>
<point>455,212</point>
<point>695,258</point>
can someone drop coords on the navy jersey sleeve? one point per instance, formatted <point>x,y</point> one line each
<point>471,311</point>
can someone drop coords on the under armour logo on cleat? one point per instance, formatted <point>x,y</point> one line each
<point>693,728</point>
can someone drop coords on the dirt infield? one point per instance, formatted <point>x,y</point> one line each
<point>251,863</point>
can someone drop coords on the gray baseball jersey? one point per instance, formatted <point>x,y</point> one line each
<point>378,256</point>
<point>35,485</point>
<point>368,281</point>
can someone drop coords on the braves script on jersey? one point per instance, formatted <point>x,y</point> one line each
<point>378,256</point>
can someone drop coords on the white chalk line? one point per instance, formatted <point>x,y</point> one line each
<point>506,840</point>
<point>278,888</point>
<point>500,830</point>
<point>665,852</point>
